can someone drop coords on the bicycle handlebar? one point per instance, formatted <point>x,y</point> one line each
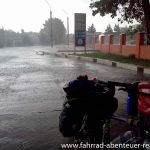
<point>126,85</point>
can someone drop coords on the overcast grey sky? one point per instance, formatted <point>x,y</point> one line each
<point>31,14</point>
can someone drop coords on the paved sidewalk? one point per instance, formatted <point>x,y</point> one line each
<point>141,70</point>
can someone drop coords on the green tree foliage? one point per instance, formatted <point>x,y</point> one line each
<point>132,30</point>
<point>129,10</point>
<point>90,34</point>
<point>117,29</point>
<point>9,38</point>
<point>26,39</point>
<point>12,38</point>
<point>44,37</point>
<point>2,38</point>
<point>140,28</point>
<point>124,29</point>
<point>108,29</point>
<point>91,29</point>
<point>58,32</point>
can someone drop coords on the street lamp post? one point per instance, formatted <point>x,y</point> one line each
<point>51,34</point>
<point>68,29</point>
<point>67,26</point>
<point>51,23</point>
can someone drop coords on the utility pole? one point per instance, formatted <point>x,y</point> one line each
<point>51,30</point>
<point>68,29</point>
<point>51,24</point>
<point>67,26</point>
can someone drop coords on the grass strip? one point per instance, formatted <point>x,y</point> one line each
<point>122,59</point>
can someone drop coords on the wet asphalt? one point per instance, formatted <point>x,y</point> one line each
<point>31,95</point>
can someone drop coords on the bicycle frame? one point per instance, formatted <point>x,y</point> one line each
<point>88,130</point>
<point>136,119</point>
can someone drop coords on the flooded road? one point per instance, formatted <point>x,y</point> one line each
<point>31,95</point>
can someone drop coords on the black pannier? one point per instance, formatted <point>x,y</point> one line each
<point>70,118</point>
<point>85,96</point>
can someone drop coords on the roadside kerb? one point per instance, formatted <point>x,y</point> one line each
<point>127,66</point>
<point>104,62</point>
<point>139,69</point>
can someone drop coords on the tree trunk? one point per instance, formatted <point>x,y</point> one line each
<point>146,9</point>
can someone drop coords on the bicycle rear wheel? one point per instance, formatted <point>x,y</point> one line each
<point>90,134</point>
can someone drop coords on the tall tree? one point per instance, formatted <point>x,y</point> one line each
<point>26,40</point>
<point>117,29</point>
<point>90,35</point>
<point>2,38</point>
<point>129,10</point>
<point>58,32</point>
<point>123,29</point>
<point>9,38</point>
<point>91,29</point>
<point>132,30</point>
<point>108,29</point>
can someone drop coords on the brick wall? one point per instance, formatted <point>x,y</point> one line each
<point>139,49</point>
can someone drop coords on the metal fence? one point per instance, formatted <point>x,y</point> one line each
<point>106,39</point>
<point>146,39</point>
<point>116,39</point>
<point>130,40</point>
<point>70,44</point>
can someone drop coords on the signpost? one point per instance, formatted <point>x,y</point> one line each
<point>80,30</point>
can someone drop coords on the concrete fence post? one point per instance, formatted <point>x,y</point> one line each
<point>101,41</point>
<point>122,42</point>
<point>94,40</point>
<point>139,42</point>
<point>110,41</point>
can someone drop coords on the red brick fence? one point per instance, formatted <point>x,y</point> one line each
<point>139,49</point>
